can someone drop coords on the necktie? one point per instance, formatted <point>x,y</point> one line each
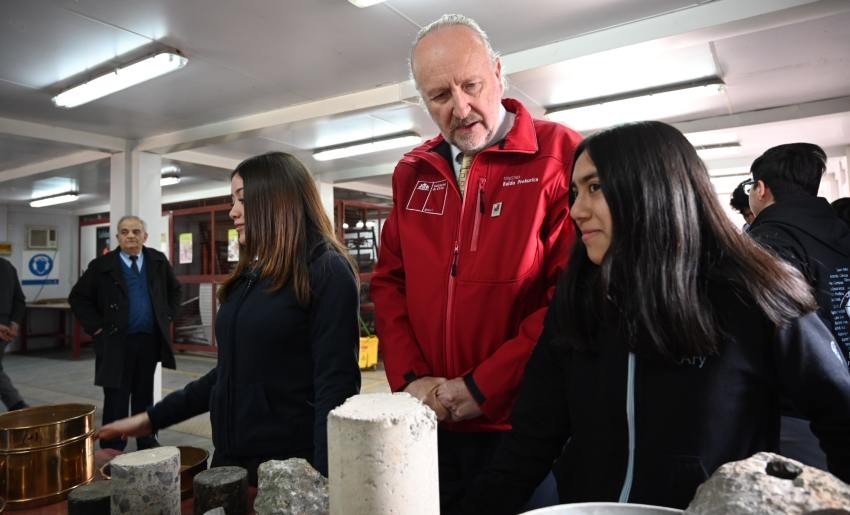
<point>465,163</point>
<point>135,265</point>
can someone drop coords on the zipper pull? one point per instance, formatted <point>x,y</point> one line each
<point>455,254</point>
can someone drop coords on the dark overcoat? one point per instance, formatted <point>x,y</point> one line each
<point>100,301</point>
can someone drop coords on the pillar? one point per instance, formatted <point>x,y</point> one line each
<point>134,190</point>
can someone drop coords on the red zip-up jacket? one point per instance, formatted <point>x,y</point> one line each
<point>462,284</point>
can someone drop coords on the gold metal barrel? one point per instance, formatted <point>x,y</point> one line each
<point>45,452</point>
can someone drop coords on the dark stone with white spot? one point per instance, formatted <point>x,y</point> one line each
<point>90,499</point>
<point>225,487</point>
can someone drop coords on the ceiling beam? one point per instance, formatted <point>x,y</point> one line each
<point>771,115</point>
<point>367,187</point>
<point>77,158</point>
<point>90,140</point>
<point>353,174</point>
<point>202,158</point>
<point>236,128</point>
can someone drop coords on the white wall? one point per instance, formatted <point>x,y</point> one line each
<point>17,220</point>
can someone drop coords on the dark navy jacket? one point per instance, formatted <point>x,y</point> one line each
<point>12,300</point>
<point>637,428</point>
<point>806,232</point>
<point>281,368</point>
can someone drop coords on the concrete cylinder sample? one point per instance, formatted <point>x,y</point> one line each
<point>382,456</point>
<point>146,482</point>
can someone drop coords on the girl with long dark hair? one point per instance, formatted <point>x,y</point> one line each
<point>286,328</point>
<point>668,343</point>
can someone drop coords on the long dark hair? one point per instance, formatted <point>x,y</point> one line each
<point>284,217</point>
<point>670,234</point>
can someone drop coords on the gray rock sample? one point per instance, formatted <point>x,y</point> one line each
<point>290,487</point>
<point>146,482</point>
<point>225,487</point>
<point>768,484</point>
<point>90,499</point>
<point>217,511</point>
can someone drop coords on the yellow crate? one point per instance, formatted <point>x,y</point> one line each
<point>368,351</point>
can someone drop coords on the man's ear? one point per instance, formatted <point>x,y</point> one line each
<point>763,192</point>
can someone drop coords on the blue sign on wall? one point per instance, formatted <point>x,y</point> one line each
<point>40,266</point>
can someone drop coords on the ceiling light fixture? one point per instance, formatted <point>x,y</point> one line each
<point>647,104</point>
<point>120,78</point>
<point>356,148</point>
<point>719,150</point>
<point>52,200</point>
<point>170,175</point>
<point>366,3</point>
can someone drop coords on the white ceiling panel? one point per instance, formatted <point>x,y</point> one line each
<point>17,151</point>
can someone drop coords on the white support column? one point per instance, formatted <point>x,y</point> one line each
<point>134,190</point>
<point>844,174</point>
<point>326,192</point>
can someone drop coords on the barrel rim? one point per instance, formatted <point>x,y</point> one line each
<point>89,409</point>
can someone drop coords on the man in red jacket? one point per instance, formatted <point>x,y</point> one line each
<point>472,249</point>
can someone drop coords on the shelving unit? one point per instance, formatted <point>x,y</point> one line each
<point>363,244</point>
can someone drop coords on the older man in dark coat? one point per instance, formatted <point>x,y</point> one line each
<point>126,300</point>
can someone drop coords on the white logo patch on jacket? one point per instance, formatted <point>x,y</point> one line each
<point>429,197</point>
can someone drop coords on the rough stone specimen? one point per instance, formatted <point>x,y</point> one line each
<point>382,452</point>
<point>226,487</point>
<point>90,499</point>
<point>146,482</point>
<point>290,487</point>
<point>768,484</point>
<point>217,511</point>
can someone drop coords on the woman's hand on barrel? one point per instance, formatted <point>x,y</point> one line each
<point>137,425</point>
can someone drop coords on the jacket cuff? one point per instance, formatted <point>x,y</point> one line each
<point>469,381</point>
<point>154,416</point>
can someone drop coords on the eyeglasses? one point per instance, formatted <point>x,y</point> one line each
<point>748,186</point>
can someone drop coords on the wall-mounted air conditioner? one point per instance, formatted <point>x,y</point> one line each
<point>41,237</point>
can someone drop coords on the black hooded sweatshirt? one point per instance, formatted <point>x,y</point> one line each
<point>805,232</point>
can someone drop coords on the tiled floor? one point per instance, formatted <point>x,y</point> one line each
<point>52,377</point>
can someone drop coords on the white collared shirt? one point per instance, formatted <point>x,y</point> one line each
<point>127,261</point>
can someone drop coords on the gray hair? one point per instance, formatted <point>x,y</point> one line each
<point>453,20</point>
<point>132,217</point>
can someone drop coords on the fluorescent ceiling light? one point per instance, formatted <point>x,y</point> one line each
<point>701,139</point>
<point>365,3</point>
<point>169,180</point>
<point>650,104</point>
<point>356,148</point>
<point>618,71</point>
<point>55,199</point>
<point>120,78</point>
<point>170,175</point>
<point>719,151</point>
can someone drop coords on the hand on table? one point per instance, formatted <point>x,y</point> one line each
<point>455,396</point>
